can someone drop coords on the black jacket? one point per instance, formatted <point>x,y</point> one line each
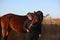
<point>34,28</point>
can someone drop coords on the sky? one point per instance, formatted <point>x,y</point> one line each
<point>22,7</point>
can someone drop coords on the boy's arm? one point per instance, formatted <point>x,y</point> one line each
<point>25,26</point>
<point>35,20</point>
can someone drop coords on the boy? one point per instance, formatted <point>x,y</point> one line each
<point>32,33</point>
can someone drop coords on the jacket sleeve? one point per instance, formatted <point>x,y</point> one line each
<point>25,26</point>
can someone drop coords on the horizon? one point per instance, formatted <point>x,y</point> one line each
<point>22,7</point>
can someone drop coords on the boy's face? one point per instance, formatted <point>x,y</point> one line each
<point>29,17</point>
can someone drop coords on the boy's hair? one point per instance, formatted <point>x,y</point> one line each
<point>30,14</point>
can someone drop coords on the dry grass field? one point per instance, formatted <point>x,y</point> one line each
<point>50,31</point>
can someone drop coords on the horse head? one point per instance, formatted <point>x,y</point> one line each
<point>40,15</point>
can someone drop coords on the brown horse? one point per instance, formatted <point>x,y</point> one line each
<point>13,21</point>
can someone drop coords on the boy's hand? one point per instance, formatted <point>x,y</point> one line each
<point>27,30</point>
<point>40,35</point>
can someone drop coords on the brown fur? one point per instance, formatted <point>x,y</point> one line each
<point>14,21</point>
